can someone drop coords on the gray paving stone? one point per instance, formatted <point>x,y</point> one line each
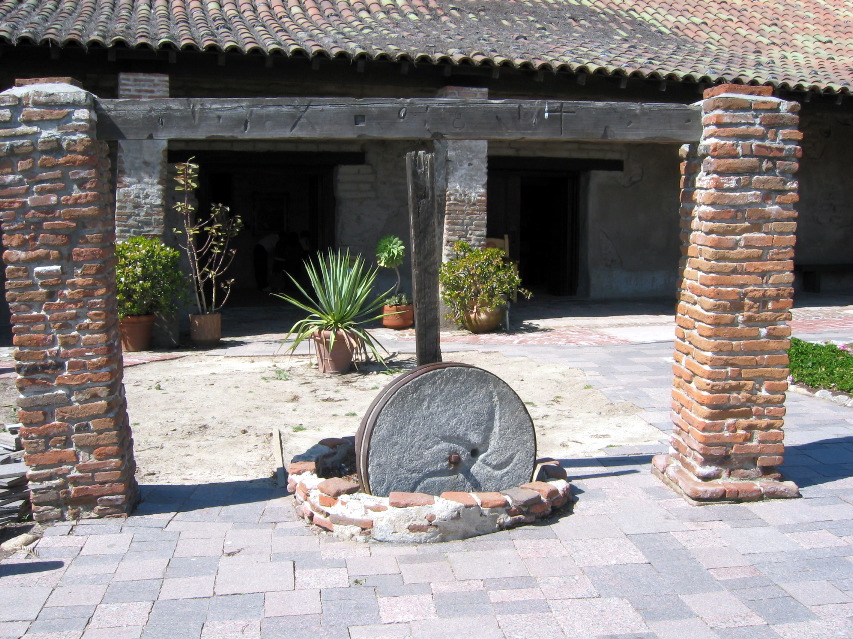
<point>120,615</point>
<point>58,626</point>
<point>456,604</point>
<point>180,630</point>
<point>295,602</point>
<point>682,628</point>
<point>76,595</point>
<point>390,585</point>
<point>521,607</point>
<point>510,583</point>
<point>62,612</point>
<point>427,572</point>
<point>125,591</point>
<point>781,610</point>
<point>381,631</point>
<point>751,632</point>
<point>487,564</point>
<point>187,587</point>
<point>13,629</point>
<point>259,577</point>
<point>345,612</point>
<point>595,617</point>
<point>628,580</point>
<point>480,626</point>
<point>192,566</point>
<point>179,612</point>
<point>658,607</point>
<point>357,592</point>
<point>230,607</point>
<point>296,627</point>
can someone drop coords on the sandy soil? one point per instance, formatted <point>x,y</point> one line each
<point>210,418</point>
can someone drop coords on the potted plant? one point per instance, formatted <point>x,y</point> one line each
<point>148,281</point>
<point>339,308</point>
<point>476,284</point>
<point>206,242</point>
<point>397,311</point>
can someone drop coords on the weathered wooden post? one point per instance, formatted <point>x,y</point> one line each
<point>426,254</point>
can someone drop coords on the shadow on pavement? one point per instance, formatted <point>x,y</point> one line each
<point>819,462</point>
<point>168,498</point>
<point>29,567</point>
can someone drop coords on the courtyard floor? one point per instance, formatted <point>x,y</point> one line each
<point>632,559</point>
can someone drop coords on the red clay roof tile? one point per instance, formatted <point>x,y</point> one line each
<point>803,44</point>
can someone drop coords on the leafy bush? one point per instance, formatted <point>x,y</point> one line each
<point>148,277</point>
<point>477,280</point>
<point>821,365</point>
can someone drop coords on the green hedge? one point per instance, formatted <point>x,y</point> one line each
<point>821,365</point>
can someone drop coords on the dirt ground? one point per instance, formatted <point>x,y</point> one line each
<point>208,418</point>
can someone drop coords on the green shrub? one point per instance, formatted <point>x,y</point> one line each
<point>477,280</point>
<point>148,277</point>
<point>821,365</point>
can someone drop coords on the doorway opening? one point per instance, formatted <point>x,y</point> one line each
<point>536,209</point>
<point>287,204</point>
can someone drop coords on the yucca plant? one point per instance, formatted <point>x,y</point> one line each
<point>341,302</point>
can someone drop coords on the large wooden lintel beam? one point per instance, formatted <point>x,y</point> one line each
<point>387,118</point>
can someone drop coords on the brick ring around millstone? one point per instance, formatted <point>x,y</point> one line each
<point>445,427</point>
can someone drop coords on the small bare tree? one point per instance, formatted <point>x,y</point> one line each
<point>206,243</point>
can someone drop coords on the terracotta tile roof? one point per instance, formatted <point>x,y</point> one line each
<point>787,43</point>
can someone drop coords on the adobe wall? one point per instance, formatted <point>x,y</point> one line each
<point>825,225</point>
<point>629,243</point>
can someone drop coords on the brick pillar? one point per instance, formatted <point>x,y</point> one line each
<point>141,167</point>
<point>462,166</point>
<point>59,239</point>
<point>731,364</point>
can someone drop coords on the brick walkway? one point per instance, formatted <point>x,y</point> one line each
<point>632,560</point>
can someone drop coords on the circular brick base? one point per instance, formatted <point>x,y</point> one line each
<point>328,496</point>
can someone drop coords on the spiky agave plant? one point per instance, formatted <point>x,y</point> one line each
<point>341,300</point>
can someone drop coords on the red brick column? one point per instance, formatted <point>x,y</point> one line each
<point>731,365</point>
<point>59,240</point>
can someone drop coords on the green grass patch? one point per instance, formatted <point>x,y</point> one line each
<point>821,365</point>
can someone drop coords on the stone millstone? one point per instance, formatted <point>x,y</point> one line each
<point>445,427</point>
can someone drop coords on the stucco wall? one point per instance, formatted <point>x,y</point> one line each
<point>825,222</point>
<point>632,228</point>
<point>372,201</point>
<point>629,229</point>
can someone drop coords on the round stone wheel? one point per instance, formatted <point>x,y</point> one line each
<point>445,427</point>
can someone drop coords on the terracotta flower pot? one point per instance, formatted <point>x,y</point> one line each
<point>403,316</point>
<point>206,330</point>
<point>484,321</point>
<point>136,332</point>
<point>337,360</point>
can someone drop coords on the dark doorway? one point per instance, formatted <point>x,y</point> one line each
<point>537,211</point>
<point>287,204</point>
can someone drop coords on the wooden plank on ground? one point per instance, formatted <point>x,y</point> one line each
<point>278,455</point>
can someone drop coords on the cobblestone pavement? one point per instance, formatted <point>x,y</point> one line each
<point>632,559</point>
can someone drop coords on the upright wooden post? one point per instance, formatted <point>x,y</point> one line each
<point>426,254</point>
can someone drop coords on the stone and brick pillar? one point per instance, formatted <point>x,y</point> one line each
<point>462,167</point>
<point>59,251</point>
<point>731,364</point>
<point>142,179</point>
